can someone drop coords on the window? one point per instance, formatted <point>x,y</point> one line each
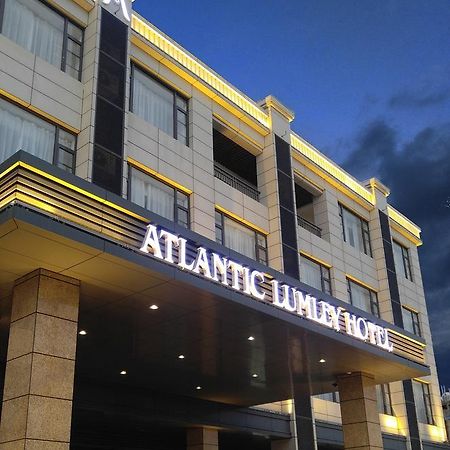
<point>422,398</point>
<point>315,274</point>
<point>411,321</point>
<point>45,33</point>
<point>158,197</point>
<point>329,397</point>
<point>363,298</point>
<point>159,105</point>
<point>21,130</point>
<point>240,238</point>
<point>355,231</point>
<point>384,402</point>
<point>401,259</point>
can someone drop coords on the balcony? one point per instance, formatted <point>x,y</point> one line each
<point>314,229</point>
<point>230,178</point>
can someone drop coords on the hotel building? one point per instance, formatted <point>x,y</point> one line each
<point>181,270</point>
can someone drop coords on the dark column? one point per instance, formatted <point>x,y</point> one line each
<point>398,320</point>
<point>110,107</point>
<point>305,425</point>
<point>287,208</point>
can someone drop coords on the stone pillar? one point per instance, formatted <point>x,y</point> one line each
<point>37,398</point>
<point>202,439</point>
<point>360,419</point>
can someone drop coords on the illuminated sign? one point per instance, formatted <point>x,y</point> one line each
<point>116,6</point>
<point>173,249</point>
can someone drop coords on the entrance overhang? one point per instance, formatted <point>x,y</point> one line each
<point>54,220</point>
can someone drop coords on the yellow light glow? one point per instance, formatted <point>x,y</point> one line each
<point>40,112</point>
<point>421,344</point>
<point>331,168</point>
<point>157,175</point>
<point>241,220</point>
<point>404,222</point>
<point>189,62</point>
<point>314,258</point>
<point>388,421</point>
<point>368,286</point>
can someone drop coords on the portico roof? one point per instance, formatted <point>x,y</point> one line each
<point>51,219</point>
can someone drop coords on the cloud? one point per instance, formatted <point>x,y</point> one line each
<point>418,99</point>
<point>418,174</point>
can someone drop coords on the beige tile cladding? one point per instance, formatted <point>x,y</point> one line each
<point>37,400</point>
<point>360,420</point>
<point>202,439</point>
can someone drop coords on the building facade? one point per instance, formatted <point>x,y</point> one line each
<point>179,269</point>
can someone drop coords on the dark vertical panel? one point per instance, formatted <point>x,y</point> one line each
<point>287,207</point>
<point>304,421</point>
<point>110,106</point>
<point>398,320</point>
<point>5,322</point>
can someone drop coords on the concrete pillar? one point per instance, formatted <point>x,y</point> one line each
<point>360,419</point>
<point>39,376</point>
<point>202,439</point>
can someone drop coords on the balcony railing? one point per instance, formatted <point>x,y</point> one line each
<point>230,178</point>
<point>314,229</point>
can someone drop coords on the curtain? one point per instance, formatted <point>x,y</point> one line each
<point>353,232</point>
<point>420,402</point>
<point>310,273</point>
<point>36,28</point>
<point>153,102</point>
<point>20,130</point>
<point>239,238</point>
<point>152,194</point>
<point>360,297</point>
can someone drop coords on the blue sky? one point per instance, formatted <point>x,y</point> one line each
<point>369,82</point>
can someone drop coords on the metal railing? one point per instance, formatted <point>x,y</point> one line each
<point>309,226</point>
<point>230,178</point>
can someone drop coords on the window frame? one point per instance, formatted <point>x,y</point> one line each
<point>385,394</point>
<point>176,205</point>
<point>374,304</point>
<point>323,268</point>
<point>66,37</point>
<point>406,260</point>
<point>56,144</point>
<point>258,248</point>
<point>175,95</point>
<point>364,229</point>
<point>415,320</point>
<point>427,403</point>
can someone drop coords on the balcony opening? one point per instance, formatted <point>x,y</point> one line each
<point>304,202</point>
<point>233,164</point>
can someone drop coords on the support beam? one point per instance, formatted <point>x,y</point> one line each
<point>37,398</point>
<point>360,419</point>
<point>202,439</point>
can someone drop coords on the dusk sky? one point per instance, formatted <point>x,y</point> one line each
<point>369,82</point>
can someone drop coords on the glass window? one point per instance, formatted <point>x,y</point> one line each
<point>363,298</point>
<point>422,398</point>
<point>241,238</point>
<point>355,231</point>
<point>159,197</point>
<point>402,262</point>
<point>329,396</point>
<point>159,105</point>
<point>45,33</point>
<point>21,130</point>
<point>411,321</point>
<point>384,402</point>
<point>315,274</point>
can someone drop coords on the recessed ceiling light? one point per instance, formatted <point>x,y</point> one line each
<point>349,373</point>
<point>123,372</point>
<point>251,338</point>
<point>198,388</point>
<point>180,356</point>
<point>154,307</point>
<point>82,332</point>
<point>255,375</point>
<point>322,360</point>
